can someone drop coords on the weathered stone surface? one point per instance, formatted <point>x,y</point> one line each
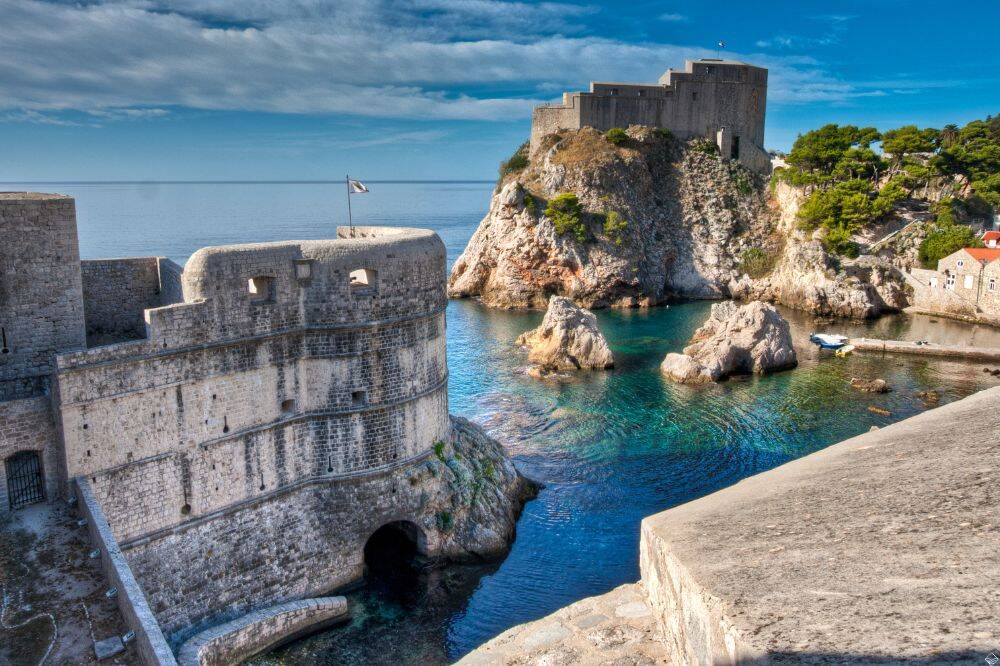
<point>690,219</point>
<point>736,339</point>
<point>894,531</point>
<point>613,628</point>
<point>869,385</point>
<point>107,648</point>
<point>567,339</point>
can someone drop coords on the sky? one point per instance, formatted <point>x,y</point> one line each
<point>436,89</point>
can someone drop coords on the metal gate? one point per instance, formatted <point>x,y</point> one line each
<point>24,479</point>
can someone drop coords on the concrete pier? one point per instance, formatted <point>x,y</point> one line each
<point>926,349</point>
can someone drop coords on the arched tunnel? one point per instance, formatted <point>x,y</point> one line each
<point>394,558</point>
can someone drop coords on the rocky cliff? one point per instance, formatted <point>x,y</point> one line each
<point>657,219</point>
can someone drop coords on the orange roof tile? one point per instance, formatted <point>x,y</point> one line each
<point>984,254</point>
<point>991,235</point>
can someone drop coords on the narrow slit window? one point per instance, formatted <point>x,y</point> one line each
<point>4,345</point>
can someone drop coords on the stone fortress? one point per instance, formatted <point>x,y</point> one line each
<point>236,431</point>
<point>720,100</point>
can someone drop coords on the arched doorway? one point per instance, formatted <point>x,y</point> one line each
<point>394,560</point>
<point>25,484</point>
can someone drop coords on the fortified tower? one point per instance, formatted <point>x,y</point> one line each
<point>720,100</point>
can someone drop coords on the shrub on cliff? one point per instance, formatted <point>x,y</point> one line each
<point>944,240</point>
<point>614,226</point>
<point>517,161</point>
<point>616,136</point>
<point>567,215</point>
<point>704,146</point>
<point>838,241</point>
<point>757,263</point>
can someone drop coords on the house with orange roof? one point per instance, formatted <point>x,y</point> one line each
<point>991,239</point>
<point>966,284</point>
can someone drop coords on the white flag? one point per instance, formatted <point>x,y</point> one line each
<point>357,187</point>
<point>722,45</point>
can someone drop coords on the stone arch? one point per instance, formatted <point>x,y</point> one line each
<point>394,547</point>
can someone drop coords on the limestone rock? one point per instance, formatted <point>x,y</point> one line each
<point>473,494</point>
<point>689,220</point>
<point>568,339</point>
<point>869,385</point>
<point>736,339</point>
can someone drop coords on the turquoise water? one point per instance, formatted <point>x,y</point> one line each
<point>610,447</point>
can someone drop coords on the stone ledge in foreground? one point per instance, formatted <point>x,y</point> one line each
<point>884,547</point>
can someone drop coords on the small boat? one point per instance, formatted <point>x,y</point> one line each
<point>844,351</point>
<point>827,341</point>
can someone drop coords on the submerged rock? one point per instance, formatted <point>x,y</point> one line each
<point>869,385</point>
<point>736,339</point>
<point>567,339</point>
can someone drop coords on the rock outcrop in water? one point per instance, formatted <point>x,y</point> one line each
<point>736,339</point>
<point>477,496</point>
<point>657,219</point>
<point>567,339</point>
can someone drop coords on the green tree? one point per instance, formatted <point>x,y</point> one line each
<point>616,136</point>
<point>909,139</point>
<point>615,226</point>
<point>838,241</point>
<point>945,240</point>
<point>566,212</point>
<point>819,150</point>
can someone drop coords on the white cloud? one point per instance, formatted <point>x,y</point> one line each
<point>423,59</point>
<point>672,18</point>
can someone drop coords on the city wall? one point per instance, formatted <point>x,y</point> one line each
<point>116,293</point>
<point>231,447</point>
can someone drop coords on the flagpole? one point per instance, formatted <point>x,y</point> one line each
<point>350,217</point>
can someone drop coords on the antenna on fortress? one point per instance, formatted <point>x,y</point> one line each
<point>718,51</point>
<point>353,187</point>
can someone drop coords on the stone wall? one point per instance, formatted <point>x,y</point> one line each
<point>970,297</point>
<point>131,599</point>
<point>697,102</point>
<point>41,303</point>
<point>27,425</point>
<point>236,641</point>
<point>116,293</point>
<point>251,410</point>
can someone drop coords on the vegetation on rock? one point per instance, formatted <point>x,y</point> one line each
<point>614,226</point>
<point>616,136</point>
<point>517,162</point>
<point>943,240</point>
<point>567,215</point>
<point>756,262</point>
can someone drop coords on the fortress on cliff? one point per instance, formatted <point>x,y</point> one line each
<point>720,100</point>
<point>236,431</point>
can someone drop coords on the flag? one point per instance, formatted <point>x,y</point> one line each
<point>722,45</point>
<point>357,187</point>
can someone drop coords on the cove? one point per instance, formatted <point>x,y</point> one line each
<point>612,447</point>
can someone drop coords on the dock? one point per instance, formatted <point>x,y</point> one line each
<point>927,349</point>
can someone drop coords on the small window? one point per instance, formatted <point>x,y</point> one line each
<point>261,289</point>
<point>287,406</point>
<point>363,277</point>
<point>933,283</point>
<point>613,91</point>
<point>968,282</point>
<point>950,282</point>
<point>960,263</point>
<point>694,96</point>
<point>358,398</point>
<point>992,284</point>
<point>4,345</point>
<point>642,93</point>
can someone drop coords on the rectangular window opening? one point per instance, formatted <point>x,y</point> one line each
<point>261,289</point>
<point>363,277</point>
<point>358,398</point>
<point>287,406</point>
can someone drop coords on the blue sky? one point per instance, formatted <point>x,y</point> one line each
<point>435,89</point>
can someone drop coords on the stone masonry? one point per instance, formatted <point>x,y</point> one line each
<point>720,100</point>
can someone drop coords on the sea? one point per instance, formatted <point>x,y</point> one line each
<point>609,447</point>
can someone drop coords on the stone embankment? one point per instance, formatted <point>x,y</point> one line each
<point>567,339</point>
<point>927,349</point>
<point>751,338</point>
<point>657,219</point>
<point>882,548</point>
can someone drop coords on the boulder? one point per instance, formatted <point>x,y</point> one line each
<point>869,385</point>
<point>736,339</point>
<point>568,339</point>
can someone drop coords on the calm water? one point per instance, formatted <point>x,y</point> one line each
<point>610,447</point>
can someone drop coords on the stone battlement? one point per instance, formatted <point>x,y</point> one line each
<point>720,100</point>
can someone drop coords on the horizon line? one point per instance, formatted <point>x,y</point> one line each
<point>225,182</point>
